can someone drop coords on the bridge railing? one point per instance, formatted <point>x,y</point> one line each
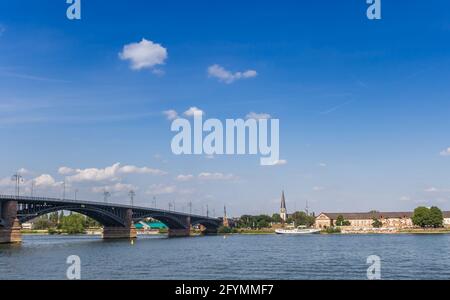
<point>83,202</point>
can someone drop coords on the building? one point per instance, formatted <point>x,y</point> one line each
<point>360,221</point>
<point>283,211</point>
<point>225,218</point>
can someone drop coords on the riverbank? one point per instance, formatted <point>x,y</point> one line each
<point>267,231</point>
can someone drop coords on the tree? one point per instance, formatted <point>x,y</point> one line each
<point>276,218</point>
<point>300,218</point>
<point>428,217</point>
<point>340,221</point>
<point>436,218</point>
<point>377,223</point>
<point>42,224</point>
<point>73,224</point>
<point>421,217</point>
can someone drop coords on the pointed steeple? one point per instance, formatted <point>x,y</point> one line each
<point>283,201</point>
<point>283,210</point>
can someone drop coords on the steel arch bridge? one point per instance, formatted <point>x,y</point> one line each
<point>118,220</point>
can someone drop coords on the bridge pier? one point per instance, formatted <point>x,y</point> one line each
<point>10,226</point>
<point>181,232</point>
<point>208,231</point>
<point>127,232</point>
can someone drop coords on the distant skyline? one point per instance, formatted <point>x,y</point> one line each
<point>363,105</point>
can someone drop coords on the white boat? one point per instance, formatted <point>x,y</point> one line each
<point>298,230</point>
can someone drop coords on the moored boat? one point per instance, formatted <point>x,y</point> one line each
<point>298,230</point>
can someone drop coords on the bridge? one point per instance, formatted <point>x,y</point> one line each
<point>117,220</point>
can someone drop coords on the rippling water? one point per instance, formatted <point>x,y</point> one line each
<point>234,257</point>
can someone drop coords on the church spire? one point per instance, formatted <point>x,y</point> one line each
<point>283,210</point>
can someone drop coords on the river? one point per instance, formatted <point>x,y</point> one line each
<point>234,257</point>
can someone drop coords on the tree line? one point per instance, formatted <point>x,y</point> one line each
<point>59,222</point>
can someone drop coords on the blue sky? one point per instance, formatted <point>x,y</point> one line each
<point>363,105</point>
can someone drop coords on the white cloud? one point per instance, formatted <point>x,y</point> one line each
<point>66,171</point>
<point>445,152</point>
<point>161,189</point>
<point>110,173</point>
<point>228,77</point>
<point>144,54</point>
<point>118,188</point>
<point>6,182</point>
<point>170,114</point>
<point>431,190</point>
<point>258,116</point>
<point>215,176</point>
<point>23,171</point>
<point>193,111</point>
<point>182,177</point>
<point>137,170</point>
<point>46,180</point>
<point>405,198</point>
<point>322,165</point>
<point>280,162</point>
<point>318,188</point>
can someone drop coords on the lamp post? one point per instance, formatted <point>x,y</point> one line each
<point>76,192</point>
<point>106,194</point>
<point>32,188</point>
<point>17,178</point>
<point>132,194</point>
<point>64,189</point>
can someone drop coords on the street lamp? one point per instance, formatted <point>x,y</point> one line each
<point>32,188</point>
<point>76,192</point>
<point>154,201</point>
<point>132,194</point>
<point>106,194</point>
<point>17,178</point>
<point>190,208</point>
<point>64,189</point>
<point>170,205</point>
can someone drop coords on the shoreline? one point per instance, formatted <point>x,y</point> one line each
<point>258,232</point>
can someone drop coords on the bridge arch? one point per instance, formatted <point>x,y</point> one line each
<point>104,217</point>
<point>172,222</point>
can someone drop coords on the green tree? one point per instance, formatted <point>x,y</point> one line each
<point>377,223</point>
<point>421,217</point>
<point>73,224</point>
<point>42,224</point>
<point>300,218</point>
<point>436,218</point>
<point>276,218</point>
<point>340,221</point>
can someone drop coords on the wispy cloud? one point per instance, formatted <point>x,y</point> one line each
<point>193,111</point>
<point>334,108</point>
<point>258,116</point>
<point>110,173</point>
<point>445,152</point>
<point>170,114</point>
<point>31,77</point>
<point>228,77</point>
